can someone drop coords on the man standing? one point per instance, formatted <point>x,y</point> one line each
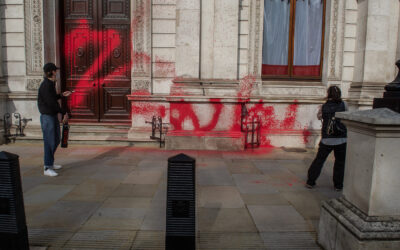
<point>49,109</point>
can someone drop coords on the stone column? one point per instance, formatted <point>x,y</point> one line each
<point>219,39</point>
<point>187,39</point>
<point>376,46</point>
<point>3,93</point>
<point>368,214</point>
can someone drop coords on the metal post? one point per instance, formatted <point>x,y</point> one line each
<point>181,204</point>
<point>13,230</point>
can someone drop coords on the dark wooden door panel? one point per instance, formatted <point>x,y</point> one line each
<point>116,73</point>
<point>97,59</point>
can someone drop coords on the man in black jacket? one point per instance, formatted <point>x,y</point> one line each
<point>49,109</point>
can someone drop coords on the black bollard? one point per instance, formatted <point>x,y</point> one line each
<point>181,204</point>
<point>13,230</point>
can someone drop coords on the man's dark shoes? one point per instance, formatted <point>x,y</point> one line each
<point>337,189</point>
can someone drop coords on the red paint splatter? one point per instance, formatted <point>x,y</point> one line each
<point>183,111</point>
<point>290,116</point>
<point>306,136</point>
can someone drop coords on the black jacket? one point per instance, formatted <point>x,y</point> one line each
<point>328,111</point>
<point>47,98</point>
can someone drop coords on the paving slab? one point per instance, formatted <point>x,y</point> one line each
<point>214,177</point>
<point>65,214</point>
<point>225,220</point>
<point>275,218</point>
<point>101,239</point>
<point>219,240</point>
<point>144,177</point>
<point>135,190</point>
<point>253,184</point>
<point>219,197</point>
<point>290,240</point>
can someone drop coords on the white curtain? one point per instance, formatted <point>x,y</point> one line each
<point>308,32</point>
<point>276,32</point>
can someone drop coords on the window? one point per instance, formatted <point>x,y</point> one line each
<point>292,44</point>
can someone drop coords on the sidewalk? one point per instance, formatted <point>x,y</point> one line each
<point>115,198</point>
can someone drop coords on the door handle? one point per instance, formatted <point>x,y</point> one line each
<point>94,84</point>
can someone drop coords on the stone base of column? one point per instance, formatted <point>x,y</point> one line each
<point>344,226</point>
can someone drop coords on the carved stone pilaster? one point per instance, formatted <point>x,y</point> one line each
<point>255,37</point>
<point>336,40</point>
<point>141,44</point>
<point>33,42</point>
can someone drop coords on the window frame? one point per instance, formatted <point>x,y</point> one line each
<point>290,76</point>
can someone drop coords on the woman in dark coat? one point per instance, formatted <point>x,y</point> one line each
<point>334,138</point>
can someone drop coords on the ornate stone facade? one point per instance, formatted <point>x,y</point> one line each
<point>33,42</point>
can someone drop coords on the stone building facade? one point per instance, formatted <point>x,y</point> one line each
<point>196,64</point>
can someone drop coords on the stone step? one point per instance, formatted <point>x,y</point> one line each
<point>116,134</point>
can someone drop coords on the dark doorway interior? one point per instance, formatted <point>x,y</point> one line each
<point>96,62</point>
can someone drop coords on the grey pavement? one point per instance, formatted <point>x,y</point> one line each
<point>114,197</point>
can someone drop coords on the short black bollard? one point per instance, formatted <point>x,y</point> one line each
<point>13,230</point>
<point>181,203</point>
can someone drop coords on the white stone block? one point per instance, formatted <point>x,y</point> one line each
<point>351,4</point>
<point>14,25</point>
<point>243,56</point>
<point>243,70</point>
<point>163,54</point>
<point>164,11</point>
<point>207,38</point>
<point>162,86</point>
<point>350,30</point>
<point>13,39</point>
<point>14,68</point>
<point>187,5</point>
<point>163,2</point>
<point>13,53</point>
<point>349,44</point>
<point>243,41</point>
<point>348,59</point>
<point>188,43</point>
<point>351,16</point>
<point>163,26</point>
<point>244,27</point>
<point>244,13</point>
<point>163,40</point>
<point>163,69</point>
<point>347,73</point>
<point>225,63</point>
<point>16,84</point>
<point>12,11</point>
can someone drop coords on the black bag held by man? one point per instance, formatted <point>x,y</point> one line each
<point>65,133</point>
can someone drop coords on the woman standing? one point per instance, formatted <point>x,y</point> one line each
<point>334,138</point>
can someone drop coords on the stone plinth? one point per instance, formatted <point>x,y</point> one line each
<point>368,216</point>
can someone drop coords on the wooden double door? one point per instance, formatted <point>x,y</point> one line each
<point>97,59</point>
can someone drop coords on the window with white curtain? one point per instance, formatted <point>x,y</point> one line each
<point>292,42</point>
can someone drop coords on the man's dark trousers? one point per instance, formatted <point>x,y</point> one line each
<point>338,169</point>
<point>51,137</point>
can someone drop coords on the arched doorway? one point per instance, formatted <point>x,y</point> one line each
<point>96,61</point>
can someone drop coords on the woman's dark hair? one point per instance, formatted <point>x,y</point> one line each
<point>334,94</point>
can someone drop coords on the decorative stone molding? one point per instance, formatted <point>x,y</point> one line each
<point>336,40</point>
<point>141,38</point>
<point>255,37</point>
<point>141,85</point>
<point>33,84</point>
<point>33,37</point>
